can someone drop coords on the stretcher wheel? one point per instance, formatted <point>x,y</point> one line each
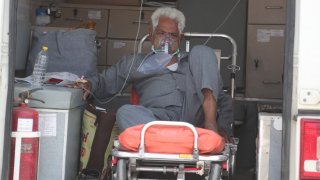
<point>121,170</point>
<point>215,171</point>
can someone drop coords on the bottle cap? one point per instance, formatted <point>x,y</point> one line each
<point>45,48</point>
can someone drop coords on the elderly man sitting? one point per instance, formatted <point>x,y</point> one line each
<point>180,88</point>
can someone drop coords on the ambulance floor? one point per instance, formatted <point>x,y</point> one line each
<point>240,174</point>
<point>244,174</point>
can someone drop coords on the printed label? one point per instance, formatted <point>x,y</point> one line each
<point>25,125</point>
<point>48,124</point>
<point>188,156</point>
<point>263,35</point>
<point>119,44</point>
<point>93,14</point>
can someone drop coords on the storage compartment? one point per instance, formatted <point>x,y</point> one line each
<point>59,125</point>
<point>119,48</point>
<point>107,2</point>
<point>122,2</point>
<point>267,12</point>
<point>101,51</point>
<point>265,58</point>
<point>269,146</point>
<point>124,23</point>
<point>77,17</point>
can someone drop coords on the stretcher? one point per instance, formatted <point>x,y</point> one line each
<point>143,163</point>
<point>134,164</point>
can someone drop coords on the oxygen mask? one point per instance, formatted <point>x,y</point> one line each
<point>164,43</point>
<point>159,60</point>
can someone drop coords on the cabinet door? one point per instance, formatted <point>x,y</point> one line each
<point>101,51</point>
<point>267,11</point>
<point>265,58</point>
<point>74,17</point>
<point>106,2</point>
<point>119,48</point>
<point>124,23</point>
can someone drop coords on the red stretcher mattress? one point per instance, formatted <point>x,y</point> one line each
<point>171,139</point>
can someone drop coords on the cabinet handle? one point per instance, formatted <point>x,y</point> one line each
<point>256,63</point>
<point>142,22</point>
<point>271,82</point>
<point>75,12</point>
<point>98,44</point>
<point>274,7</point>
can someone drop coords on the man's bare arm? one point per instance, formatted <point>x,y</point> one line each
<point>210,110</point>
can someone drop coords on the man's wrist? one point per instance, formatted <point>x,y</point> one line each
<point>211,126</point>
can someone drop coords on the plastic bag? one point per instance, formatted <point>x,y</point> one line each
<point>155,63</point>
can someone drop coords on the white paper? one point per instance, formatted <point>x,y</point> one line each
<point>263,35</point>
<point>25,125</point>
<point>62,75</point>
<point>48,124</point>
<point>119,44</point>
<point>277,32</point>
<point>66,78</point>
<point>93,14</point>
<point>24,80</point>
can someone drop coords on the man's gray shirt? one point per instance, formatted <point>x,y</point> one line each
<point>170,95</point>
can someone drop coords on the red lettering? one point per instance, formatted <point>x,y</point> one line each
<point>85,137</point>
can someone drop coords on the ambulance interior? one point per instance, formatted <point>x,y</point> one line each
<point>257,28</point>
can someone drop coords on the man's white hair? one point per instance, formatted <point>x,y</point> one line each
<point>171,13</point>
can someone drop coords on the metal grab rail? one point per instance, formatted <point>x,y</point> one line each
<point>233,67</point>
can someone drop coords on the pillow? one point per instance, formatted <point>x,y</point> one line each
<point>71,51</point>
<point>171,139</point>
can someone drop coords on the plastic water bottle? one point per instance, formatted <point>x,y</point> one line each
<point>40,67</point>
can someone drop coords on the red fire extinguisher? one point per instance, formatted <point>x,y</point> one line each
<point>24,140</point>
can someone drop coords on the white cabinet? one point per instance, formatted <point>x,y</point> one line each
<point>269,145</point>
<point>267,11</point>
<point>124,24</point>
<point>265,49</point>
<point>117,48</point>
<point>265,59</point>
<point>122,33</point>
<point>116,28</point>
<point>77,17</point>
<point>59,125</point>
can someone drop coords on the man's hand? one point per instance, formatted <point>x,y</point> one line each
<point>84,85</point>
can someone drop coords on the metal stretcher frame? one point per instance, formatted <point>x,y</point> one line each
<point>227,155</point>
<point>233,66</point>
<point>195,156</point>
